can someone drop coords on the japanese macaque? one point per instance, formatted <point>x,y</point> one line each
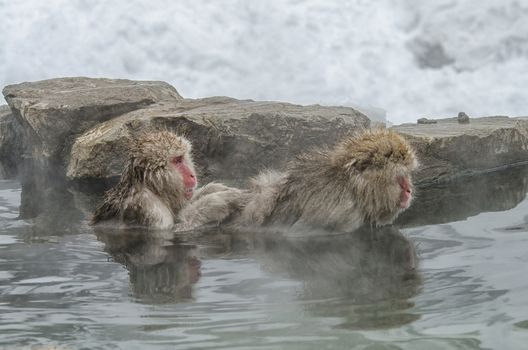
<point>158,180</point>
<point>364,179</point>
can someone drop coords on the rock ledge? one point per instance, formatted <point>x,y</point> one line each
<point>449,149</point>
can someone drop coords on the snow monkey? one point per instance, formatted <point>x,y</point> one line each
<point>364,179</point>
<point>157,181</point>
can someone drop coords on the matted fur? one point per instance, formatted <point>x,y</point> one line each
<point>340,188</point>
<point>150,193</point>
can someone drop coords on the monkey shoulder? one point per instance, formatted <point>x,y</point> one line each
<point>109,209</point>
<point>146,209</point>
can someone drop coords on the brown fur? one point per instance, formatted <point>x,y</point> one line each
<point>150,192</point>
<point>339,188</point>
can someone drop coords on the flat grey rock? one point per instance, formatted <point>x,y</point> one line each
<point>51,112</point>
<point>232,139</point>
<point>449,149</point>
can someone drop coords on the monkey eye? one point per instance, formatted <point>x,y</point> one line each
<point>177,160</point>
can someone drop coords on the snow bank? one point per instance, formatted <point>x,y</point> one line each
<point>409,58</point>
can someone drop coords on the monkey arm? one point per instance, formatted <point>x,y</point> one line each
<point>212,205</point>
<point>211,187</point>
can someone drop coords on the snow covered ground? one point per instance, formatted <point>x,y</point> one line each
<point>410,58</point>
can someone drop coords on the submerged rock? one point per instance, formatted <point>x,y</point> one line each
<point>448,149</point>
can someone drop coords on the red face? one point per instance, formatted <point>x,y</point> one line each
<point>187,174</point>
<point>406,192</point>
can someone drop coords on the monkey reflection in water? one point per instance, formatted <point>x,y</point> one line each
<point>365,277</point>
<point>160,271</point>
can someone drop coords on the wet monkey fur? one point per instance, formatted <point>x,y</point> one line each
<point>364,179</point>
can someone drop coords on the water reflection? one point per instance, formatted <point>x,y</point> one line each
<point>368,265</point>
<point>48,204</point>
<point>366,277</point>
<point>69,284</point>
<point>468,196</point>
<point>160,271</point>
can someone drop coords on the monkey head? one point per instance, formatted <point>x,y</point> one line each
<point>377,165</point>
<point>162,162</point>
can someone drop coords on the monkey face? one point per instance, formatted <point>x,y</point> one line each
<point>386,191</point>
<point>379,164</point>
<point>164,162</point>
<point>183,166</point>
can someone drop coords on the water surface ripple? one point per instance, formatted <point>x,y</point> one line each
<point>456,282</point>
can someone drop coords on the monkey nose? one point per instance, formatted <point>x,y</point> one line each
<point>190,182</point>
